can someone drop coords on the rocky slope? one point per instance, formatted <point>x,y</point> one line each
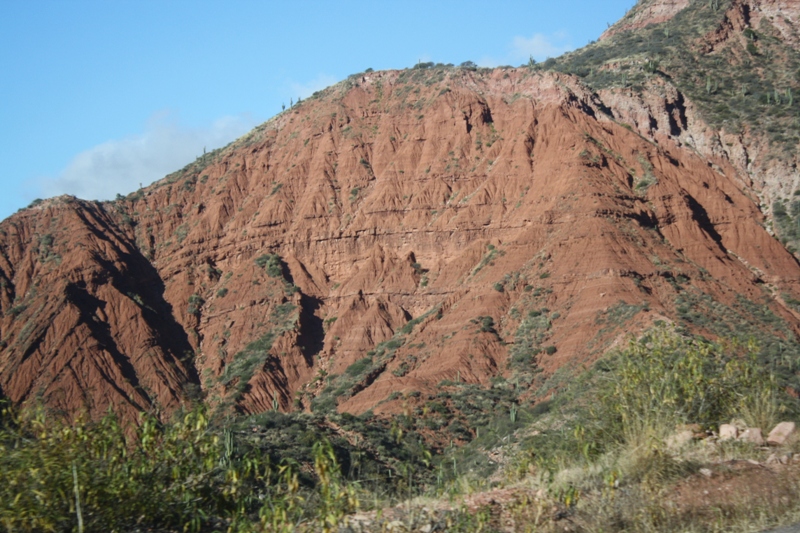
<point>397,230</point>
<point>734,64</point>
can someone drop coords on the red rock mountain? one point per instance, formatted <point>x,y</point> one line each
<point>398,229</point>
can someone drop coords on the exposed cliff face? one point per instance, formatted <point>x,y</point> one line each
<point>644,13</point>
<point>738,15</point>
<point>731,67</point>
<point>397,230</point>
<point>85,324</point>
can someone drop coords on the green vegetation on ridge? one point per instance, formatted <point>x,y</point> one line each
<point>749,82</point>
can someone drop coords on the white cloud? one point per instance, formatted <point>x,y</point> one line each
<point>304,90</point>
<point>119,166</point>
<point>539,46</point>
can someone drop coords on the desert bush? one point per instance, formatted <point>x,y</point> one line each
<point>195,304</point>
<point>643,391</point>
<point>190,475</point>
<point>359,367</point>
<point>272,264</point>
<point>665,378</point>
<point>178,475</point>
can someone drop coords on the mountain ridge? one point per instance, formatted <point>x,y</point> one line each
<point>395,231</point>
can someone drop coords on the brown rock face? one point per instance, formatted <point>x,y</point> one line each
<point>782,14</point>
<point>86,325</point>
<point>397,230</point>
<point>646,12</point>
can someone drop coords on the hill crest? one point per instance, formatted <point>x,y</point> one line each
<point>398,230</point>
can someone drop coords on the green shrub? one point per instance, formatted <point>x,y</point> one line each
<point>181,232</point>
<point>359,367</point>
<point>257,353</point>
<point>665,379</point>
<point>195,303</point>
<point>401,370</point>
<point>272,263</point>
<point>175,476</point>
<point>17,310</point>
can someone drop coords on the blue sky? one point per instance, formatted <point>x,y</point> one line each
<point>99,96</point>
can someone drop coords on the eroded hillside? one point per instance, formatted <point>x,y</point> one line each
<point>397,233</point>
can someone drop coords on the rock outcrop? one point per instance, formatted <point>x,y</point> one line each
<point>644,13</point>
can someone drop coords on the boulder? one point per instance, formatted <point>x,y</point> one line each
<point>728,431</point>
<point>774,458</point>
<point>753,436</point>
<point>781,433</point>
<point>679,439</point>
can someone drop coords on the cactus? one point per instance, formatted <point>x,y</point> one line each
<point>789,97</point>
<point>274,402</point>
<point>513,414</point>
